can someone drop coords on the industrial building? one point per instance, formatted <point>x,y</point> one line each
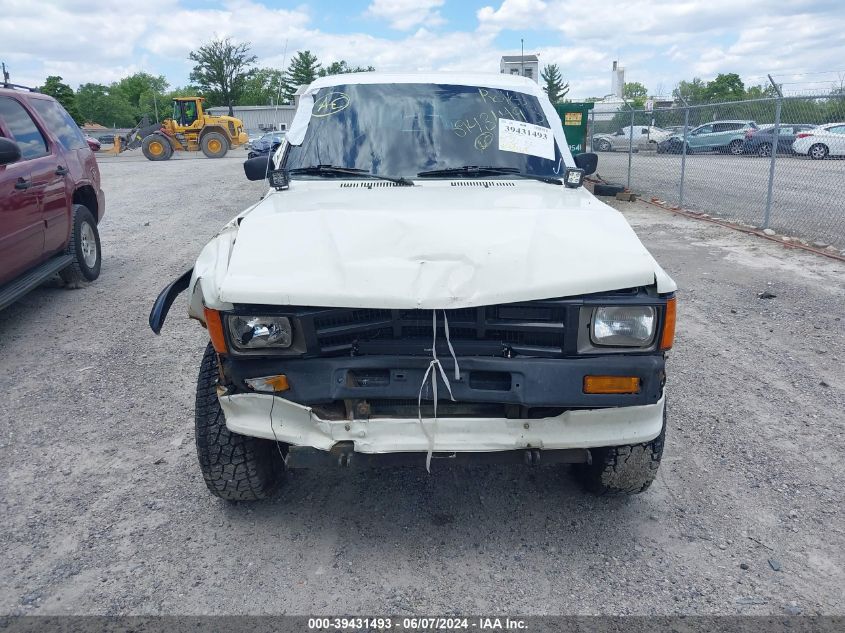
<point>260,118</point>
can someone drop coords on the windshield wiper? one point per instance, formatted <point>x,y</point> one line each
<point>316,170</point>
<point>491,170</point>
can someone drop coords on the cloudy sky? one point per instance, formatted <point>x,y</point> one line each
<point>801,42</point>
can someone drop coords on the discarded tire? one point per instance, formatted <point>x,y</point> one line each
<point>607,190</point>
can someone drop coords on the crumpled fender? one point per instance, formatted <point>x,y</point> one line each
<point>208,274</point>
<point>202,281</point>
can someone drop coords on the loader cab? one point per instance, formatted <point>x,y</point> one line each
<point>186,111</point>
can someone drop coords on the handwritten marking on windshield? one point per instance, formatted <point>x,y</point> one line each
<point>481,121</point>
<point>483,141</point>
<point>331,103</point>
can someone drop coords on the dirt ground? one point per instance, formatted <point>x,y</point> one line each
<point>104,510</point>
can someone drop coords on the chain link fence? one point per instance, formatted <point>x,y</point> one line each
<point>775,163</point>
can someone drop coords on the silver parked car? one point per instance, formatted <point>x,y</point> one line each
<point>621,139</point>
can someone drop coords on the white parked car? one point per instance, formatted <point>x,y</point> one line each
<point>621,139</point>
<point>426,280</point>
<point>821,142</point>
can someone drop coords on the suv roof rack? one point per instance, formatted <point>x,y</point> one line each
<point>6,84</point>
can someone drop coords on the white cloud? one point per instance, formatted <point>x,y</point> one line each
<point>514,14</point>
<point>659,42</point>
<point>663,41</point>
<point>406,14</point>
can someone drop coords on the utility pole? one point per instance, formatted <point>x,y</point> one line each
<point>5,74</point>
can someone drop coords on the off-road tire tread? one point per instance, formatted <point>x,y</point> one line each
<point>623,470</point>
<point>221,138</point>
<point>77,273</point>
<point>235,467</point>
<point>168,152</point>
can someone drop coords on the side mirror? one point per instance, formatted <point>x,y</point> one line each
<point>10,152</point>
<point>257,168</point>
<point>587,161</point>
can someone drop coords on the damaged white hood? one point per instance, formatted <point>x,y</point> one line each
<point>436,245</point>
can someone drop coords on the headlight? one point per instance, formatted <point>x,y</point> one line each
<point>260,332</point>
<point>623,326</point>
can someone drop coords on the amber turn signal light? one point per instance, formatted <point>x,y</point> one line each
<point>269,383</point>
<point>611,384</point>
<point>667,338</point>
<point>214,324</point>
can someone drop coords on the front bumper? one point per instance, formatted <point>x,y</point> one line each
<point>527,382</point>
<point>274,418</point>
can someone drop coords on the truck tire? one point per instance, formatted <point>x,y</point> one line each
<point>235,467</point>
<point>214,145</point>
<point>84,247</point>
<point>622,470</point>
<point>156,147</point>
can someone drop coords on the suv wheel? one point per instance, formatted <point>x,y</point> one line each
<point>235,467</point>
<point>84,247</point>
<point>623,470</point>
<point>214,145</point>
<point>735,147</point>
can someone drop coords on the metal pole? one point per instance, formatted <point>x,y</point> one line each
<point>683,153</point>
<point>630,144</point>
<point>775,132</point>
<point>155,103</point>
<point>522,55</point>
<point>590,128</point>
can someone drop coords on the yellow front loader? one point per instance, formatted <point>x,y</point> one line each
<point>189,129</point>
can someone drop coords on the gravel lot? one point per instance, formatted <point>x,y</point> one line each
<point>105,511</point>
<point>807,198</point>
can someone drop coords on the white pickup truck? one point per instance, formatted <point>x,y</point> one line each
<point>427,280</point>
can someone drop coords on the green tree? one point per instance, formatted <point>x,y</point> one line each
<point>635,92</point>
<point>222,70</point>
<point>262,87</point>
<point>726,87</point>
<point>100,104</point>
<point>341,68</point>
<point>183,91</point>
<point>691,91</point>
<point>135,86</point>
<point>760,92</point>
<point>143,92</point>
<point>64,94</point>
<point>303,69</point>
<point>555,88</point>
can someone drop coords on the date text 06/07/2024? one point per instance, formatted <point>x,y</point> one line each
<point>416,624</point>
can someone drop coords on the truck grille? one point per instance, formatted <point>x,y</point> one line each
<point>531,328</point>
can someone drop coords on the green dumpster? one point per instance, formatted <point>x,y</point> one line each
<point>574,117</point>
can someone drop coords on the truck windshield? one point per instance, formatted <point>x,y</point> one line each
<point>401,130</point>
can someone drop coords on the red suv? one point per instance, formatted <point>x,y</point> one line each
<point>50,196</point>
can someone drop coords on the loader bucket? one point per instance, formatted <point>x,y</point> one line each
<point>115,149</point>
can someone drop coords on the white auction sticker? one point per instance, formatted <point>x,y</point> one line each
<point>526,138</point>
